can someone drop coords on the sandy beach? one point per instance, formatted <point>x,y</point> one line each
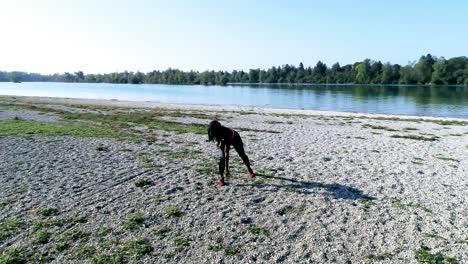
<point>105,181</point>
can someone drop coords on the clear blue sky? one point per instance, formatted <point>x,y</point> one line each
<point>50,36</point>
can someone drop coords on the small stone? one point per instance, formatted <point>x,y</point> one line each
<point>246,220</point>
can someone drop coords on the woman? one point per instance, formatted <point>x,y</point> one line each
<point>225,137</point>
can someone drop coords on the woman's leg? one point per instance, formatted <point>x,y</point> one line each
<point>223,163</point>
<point>239,147</point>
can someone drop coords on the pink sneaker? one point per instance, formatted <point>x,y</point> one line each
<point>251,174</point>
<point>220,183</point>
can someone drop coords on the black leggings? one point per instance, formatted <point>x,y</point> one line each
<point>238,146</point>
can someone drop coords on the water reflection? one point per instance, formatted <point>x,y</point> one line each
<point>420,94</point>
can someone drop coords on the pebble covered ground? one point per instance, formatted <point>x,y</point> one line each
<point>329,189</point>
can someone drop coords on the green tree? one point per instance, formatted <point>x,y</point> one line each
<point>387,73</point>
<point>79,76</point>
<point>375,72</point>
<point>390,74</point>
<point>3,77</point>
<point>362,72</point>
<point>465,82</point>
<point>319,71</point>
<point>16,76</point>
<point>455,70</point>
<point>439,76</point>
<point>408,74</point>
<point>254,75</point>
<point>137,78</point>
<point>423,69</point>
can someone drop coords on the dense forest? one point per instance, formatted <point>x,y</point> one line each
<point>427,70</point>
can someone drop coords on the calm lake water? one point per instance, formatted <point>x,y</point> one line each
<point>403,100</point>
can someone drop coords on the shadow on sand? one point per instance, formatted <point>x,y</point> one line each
<point>334,190</point>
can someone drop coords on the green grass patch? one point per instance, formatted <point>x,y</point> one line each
<point>257,230</point>
<point>141,183</point>
<point>286,115</point>
<point>41,237</point>
<point>78,219</point>
<point>424,255</point>
<point>378,127</point>
<point>40,256</point>
<point>416,137</point>
<point>5,203</point>
<point>398,204</point>
<point>150,139</point>
<point>20,190</point>
<point>190,143</point>
<point>84,252</point>
<point>162,230</point>
<point>49,211</point>
<point>172,211</point>
<point>180,243</point>
<point>101,258</point>
<point>38,225</point>
<point>104,231</point>
<point>231,251</point>
<point>293,188</point>
<point>208,167</point>
<point>15,255</point>
<point>137,247</point>
<point>146,160</point>
<point>134,221</point>
<point>179,113</point>
<point>9,227</point>
<point>129,119</point>
<point>113,125</point>
<point>8,107</point>
<point>68,237</point>
<point>445,158</point>
<point>29,106</point>
<point>48,223</point>
<point>227,250</point>
<point>215,248</point>
<point>157,198</point>
<point>462,241</point>
<point>257,180</point>
<point>366,199</point>
<point>23,128</point>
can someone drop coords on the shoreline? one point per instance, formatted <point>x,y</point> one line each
<point>226,108</point>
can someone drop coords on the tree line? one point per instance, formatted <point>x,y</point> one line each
<point>427,70</point>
